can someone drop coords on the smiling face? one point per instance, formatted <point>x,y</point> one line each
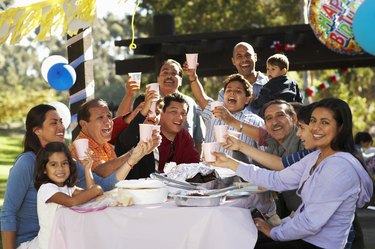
<point>244,59</point>
<point>100,125</point>
<point>323,128</point>
<point>235,98</point>
<point>304,133</point>
<point>52,129</point>
<point>169,78</point>
<point>274,71</point>
<point>279,123</point>
<point>57,168</point>
<point>173,119</point>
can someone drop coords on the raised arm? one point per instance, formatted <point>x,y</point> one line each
<point>196,87</point>
<point>125,105</point>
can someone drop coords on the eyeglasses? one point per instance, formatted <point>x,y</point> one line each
<point>171,152</point>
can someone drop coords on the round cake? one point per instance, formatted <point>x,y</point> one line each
<point>143,191</point>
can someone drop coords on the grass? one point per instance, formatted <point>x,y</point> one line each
<point>10,147</point>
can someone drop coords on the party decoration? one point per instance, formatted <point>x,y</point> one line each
<point>50,16</point>
<point>280,48</point>
<point>364,20</point>
<point>61,76</point>
<point>63,111</point>
<point>49,62</point>
<point>332,23</point>
<point>312,90</point>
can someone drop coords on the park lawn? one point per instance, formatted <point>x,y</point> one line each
<point>10,147</point>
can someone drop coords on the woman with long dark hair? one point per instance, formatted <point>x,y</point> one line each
<point>331,181</point>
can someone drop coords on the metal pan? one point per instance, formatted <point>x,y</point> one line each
<point>199,201</point>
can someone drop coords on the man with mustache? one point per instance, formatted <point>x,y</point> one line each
<point>280,137</point>
<point>170,79</point>
<point>95,123</point>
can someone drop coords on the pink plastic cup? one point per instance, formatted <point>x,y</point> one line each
<point>220,131</point>
<point>81,145</point>
<point>154,87</point>
<point>192,60</point>
<point>145,131</point>
<point>208,148</point>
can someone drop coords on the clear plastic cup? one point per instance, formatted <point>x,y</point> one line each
<point>136,77</point>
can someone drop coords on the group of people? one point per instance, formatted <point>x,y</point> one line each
<point>305,153</point>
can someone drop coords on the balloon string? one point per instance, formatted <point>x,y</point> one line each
<point>132,44</point>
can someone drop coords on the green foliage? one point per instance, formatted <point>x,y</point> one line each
<point>357,89</point>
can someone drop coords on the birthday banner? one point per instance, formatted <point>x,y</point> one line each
<point>51,17</point>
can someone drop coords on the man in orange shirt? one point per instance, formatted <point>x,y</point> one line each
<point>95,123</point>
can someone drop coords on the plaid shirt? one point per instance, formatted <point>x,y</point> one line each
<point>100,154</point>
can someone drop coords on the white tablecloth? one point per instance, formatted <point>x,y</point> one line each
<point>156,226</point>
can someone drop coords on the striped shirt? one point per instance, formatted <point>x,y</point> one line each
<point>295,157</point>
<point>244,116</point>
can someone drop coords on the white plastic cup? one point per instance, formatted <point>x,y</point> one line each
<point>235,134</point>
<point>154,87</point>
<point>145,131</point>
<point>208,148</point>
<point>215,104</point>
<point>220,131</point>
<point>81,145</point>
<point>152,112</point>
<point>192,60</point>
<point>136,77</point>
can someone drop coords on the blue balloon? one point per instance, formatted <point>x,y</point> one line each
<point>363,23</point>
<point>61,76</point>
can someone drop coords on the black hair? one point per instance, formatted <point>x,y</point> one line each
<point>363,137</point>
<point>139,99</point>
<point>35,118</point>
<point>84,110</point>
<point>42,158</point>
<point>304,113</point>
<point>343,140</point>
<point>176,97</point>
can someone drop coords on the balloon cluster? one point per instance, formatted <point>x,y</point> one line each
<point>58,73</point>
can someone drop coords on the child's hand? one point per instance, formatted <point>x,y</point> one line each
<point>220,112</point>
<point>87,161</point>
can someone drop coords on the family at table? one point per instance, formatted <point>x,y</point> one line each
<point>303,154</point>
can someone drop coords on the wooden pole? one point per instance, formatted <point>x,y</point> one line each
<point>80,56</point>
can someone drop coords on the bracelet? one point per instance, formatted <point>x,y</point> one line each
<point>191,81</point>
<point>241,126</point>
<point>130,165</point>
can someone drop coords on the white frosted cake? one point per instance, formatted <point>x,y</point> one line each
<point>143,191</point>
